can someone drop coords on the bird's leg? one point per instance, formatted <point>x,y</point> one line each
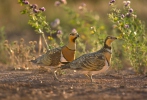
<point>60,72</point>
<point>89,76</point>
<point>55,75</point>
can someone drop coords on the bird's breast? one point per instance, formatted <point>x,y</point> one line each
<point>108,57</point>
<point>106,65</point>
<point>67,55</point>
<point>103,70</point>
<point>62,59</point>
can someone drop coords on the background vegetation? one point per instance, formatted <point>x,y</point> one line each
<point>89,17</point>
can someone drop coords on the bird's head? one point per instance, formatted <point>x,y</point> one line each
<point>109,40</point>
<point>73,35</point>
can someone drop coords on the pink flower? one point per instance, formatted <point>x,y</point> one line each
<point>35,10</point>
<point>130,10</point>
<point>57,3</point>
<point>26,2</point>
<point>74,31</point>
<point>42,9</point>
<point>126,26</point>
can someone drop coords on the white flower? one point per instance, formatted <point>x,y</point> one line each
<point>124,2</point>
<point>128,2</point>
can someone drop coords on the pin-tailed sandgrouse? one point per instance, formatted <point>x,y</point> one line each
<point>93,63</point>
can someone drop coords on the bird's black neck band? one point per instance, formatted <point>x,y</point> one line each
<point>74,40</point>
<point>70,49</point>
<point>107,47</point>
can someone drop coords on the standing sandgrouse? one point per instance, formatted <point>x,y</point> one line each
<point>57,56</point>
<point>93,63</point>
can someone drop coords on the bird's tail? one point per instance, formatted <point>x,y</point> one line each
<point>66,66</point>
<point>33,61</point>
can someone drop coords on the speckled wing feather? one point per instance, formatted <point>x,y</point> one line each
<point>88,62</point>
<point>50,58</point>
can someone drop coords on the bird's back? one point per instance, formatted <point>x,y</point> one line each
<point>50,58</point>
<point>91,62</point>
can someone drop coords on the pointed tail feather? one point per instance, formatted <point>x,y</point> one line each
<point>66,66</point>
<point>33,61</point>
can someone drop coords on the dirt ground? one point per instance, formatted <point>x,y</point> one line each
<point>35,85</point>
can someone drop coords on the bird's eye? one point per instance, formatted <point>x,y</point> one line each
<point>110,37</point>
<point>72,34</point>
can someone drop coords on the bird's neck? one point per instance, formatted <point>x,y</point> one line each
<point>71,45</point>
<point>107,46</point>
<point>107,53</point>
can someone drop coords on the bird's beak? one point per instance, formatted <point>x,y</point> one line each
<point>114,38</point>
<point>78,35</point>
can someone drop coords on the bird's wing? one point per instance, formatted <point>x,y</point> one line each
<point>89,62</point>
<point>50,58</point>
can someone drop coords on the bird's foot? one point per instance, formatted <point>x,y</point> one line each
<point>55,76</point>
<point>57,79</point>
<point>92,81</point>
<point>90,76</point>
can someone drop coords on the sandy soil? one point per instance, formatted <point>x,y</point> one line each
<point>35,85</point>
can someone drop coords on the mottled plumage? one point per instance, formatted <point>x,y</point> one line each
<point>50,58</point>
<point>56,56</point>
<point>93,63</point>
<point>53,56</point>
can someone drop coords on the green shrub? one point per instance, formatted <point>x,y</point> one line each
<point>88,24</point>
<point>132,32</point>
<point>127,26</point>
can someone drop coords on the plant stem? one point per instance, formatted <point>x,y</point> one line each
<point>40,44</point>
<point>45,40</point>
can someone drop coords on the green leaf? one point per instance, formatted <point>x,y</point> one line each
<point>23,11</point>
<point>40,31</point>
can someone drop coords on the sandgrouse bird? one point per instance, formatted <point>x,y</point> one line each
<point>93,63</point>
<point>60,55</point>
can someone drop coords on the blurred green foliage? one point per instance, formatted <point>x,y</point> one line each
<point>3,57</point>
<point>90,19</point>
<point>36,19</point>
<point>88,24</point>
<point>15,23</point>
<point>132,32</point>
